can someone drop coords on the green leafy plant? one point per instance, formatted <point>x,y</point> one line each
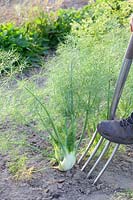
<point>16,38</point>
<point>13,145</point>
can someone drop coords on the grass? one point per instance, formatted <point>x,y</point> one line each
<point>12,145</point>
<point>127,195</point>
<point>10,63</point>
<point>17,149</point>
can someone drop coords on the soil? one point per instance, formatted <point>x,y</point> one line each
<point>17,10</point>
<point>50,184</point>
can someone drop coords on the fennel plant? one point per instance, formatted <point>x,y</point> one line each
<point>64,139</point>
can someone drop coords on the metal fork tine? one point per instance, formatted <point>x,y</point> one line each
<point>99,158</point>
<point>107,163</point>
<point>93,153</point>
<point>88,147</point>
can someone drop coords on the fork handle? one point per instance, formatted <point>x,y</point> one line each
<point>129,52</point>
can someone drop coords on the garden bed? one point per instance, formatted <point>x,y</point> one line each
<point>81,77</point>
<point>48,183</point>
<point>40,181</point>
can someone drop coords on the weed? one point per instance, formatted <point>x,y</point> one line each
<point>125,195</point>
<point>10,63</point>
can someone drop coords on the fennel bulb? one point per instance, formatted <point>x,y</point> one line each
<point>68,161</point>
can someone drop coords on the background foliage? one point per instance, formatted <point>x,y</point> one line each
<point>44,31</point>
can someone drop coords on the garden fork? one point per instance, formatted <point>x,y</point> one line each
<point>116,97</point>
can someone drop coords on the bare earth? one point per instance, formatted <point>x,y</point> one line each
<point>15,10</point>
<point>50,184</point>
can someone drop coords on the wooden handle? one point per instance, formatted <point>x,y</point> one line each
<point>129,52</point>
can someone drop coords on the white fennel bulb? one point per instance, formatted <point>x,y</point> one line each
<point>68,161</point>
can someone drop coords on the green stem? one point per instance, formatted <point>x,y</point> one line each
<point>51,121</point>
<point>46,126</point>
<point>71,89</point>
<point>108,102</point>
<point>84,127</point>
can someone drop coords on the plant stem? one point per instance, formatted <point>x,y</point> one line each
<point>51,121</point>
<point>84,127</point>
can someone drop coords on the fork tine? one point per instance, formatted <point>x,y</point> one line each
<point>99,158</point>
<point>93,153</point>
<point>107,163</point>
<point>88,147</point>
